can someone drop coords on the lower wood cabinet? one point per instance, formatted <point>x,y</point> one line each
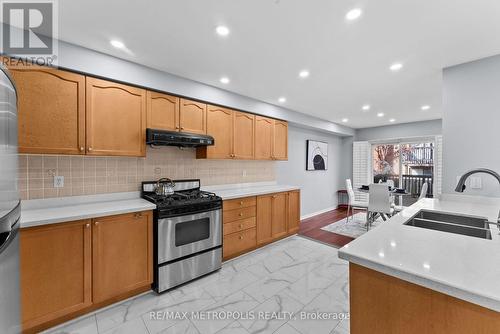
<point>71,268</point>
<point>56,271</point>
<point>254,221</point>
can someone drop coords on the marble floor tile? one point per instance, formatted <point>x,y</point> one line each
<point>86,325</point>
<point>342,328</point>
<point>229,284</point>
<point>279,304</point>
<point>135,326</point>
<point>332,312</point>
<point>219,312</point>
<point>270,264</point>
<point>287,329</point>
<point>339,290</point>
<point>308,287</point>
<point>183,327</point>
<point>268,286</point>
<point>233,328</point>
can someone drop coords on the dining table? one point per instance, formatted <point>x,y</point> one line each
<point>392,192</point>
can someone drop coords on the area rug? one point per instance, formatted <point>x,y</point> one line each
<point>356,226</point>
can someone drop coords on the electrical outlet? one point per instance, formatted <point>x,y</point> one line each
<point>244,173</point>
<point>157,171</point>
<point>58,181</point>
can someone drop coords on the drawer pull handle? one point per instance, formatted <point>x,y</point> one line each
<point>241,237</point>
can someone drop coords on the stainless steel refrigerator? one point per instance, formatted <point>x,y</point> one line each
<point>9,208</point>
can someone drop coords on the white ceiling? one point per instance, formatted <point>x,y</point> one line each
<point>271,41</point>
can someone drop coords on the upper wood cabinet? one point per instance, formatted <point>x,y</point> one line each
<point>55,271</point>
<point>162,111</point>
<point>263,138</point>
<point>243,135</point>
<point>51,110</point>
<point>116,119</point>
<point>193,116</point>
<point>280,140</point>
<point>293,211</point>
<point>220,126</point>
<point>122,254</point>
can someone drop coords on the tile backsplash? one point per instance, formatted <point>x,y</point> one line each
<point>88,175</point>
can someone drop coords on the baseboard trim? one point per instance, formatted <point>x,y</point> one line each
<point>309,215</point>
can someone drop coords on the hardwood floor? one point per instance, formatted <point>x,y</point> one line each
<point>311,227</point>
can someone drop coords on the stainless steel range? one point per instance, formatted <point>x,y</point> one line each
<point>187,231</point>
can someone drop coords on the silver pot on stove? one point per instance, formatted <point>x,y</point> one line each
<point>164,187</point>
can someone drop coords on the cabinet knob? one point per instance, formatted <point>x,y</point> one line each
<point>274,196</point>
<point>87,225</point>
<point>182,128</point>
<point>90,148</point>
<point>177,127</point>
<point>241,214</point>
<point>82,149</point>
<point>241,237</point>
<point>138,215</point>
<point>96,223</point>
<point>241,202</point>
<point>241,225</point>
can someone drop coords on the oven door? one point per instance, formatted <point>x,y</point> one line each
<point>189,234</point>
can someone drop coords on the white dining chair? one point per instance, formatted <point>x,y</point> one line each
<point>353,203</point>
<point>378,203</point>
<point>390,183</point>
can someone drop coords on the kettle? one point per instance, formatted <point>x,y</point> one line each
<point>164,187</point>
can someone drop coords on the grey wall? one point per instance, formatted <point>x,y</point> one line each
<point>318,187</point>
<point>405,130</point>
<point>471,121</point>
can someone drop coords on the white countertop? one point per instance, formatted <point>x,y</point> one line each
<point>465,267</point>
<point>57,210</point>
<point>248,189</point>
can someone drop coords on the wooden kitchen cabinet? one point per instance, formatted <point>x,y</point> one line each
<point>55,271</point>
<point>162,111</point>
<point>264,219</point>
<point>122,254</point>
<point>220,126</point>
<point>51,110</point>
<point>193,116</point>
<point>293,211</point>
<point>279,215</point>
<point>263,138</point>
<point>243,135</point>
<point>116,119</point>
<point>280,140</point>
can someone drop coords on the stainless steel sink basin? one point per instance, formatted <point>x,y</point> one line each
<point>453,219</point>
<point>438,221</point>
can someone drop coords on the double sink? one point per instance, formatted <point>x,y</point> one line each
<point>444,222</point>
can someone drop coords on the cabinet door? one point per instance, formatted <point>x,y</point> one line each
<point>116,119</point>
<point>51,110</point>
<point>244,127</point>
<point>264,219</point>
<point>279,215</point>
<point>263,138</point>
<point>293,211</point>
<point>121,254</point>
<point>280,140</point>
<point>55,271</point>
<point>220,126</point>
<point>162,111</point>
<point>193,116</point>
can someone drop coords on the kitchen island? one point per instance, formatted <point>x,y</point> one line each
<point>407,279</point>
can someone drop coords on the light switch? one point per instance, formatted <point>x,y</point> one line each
<point>58,181</point>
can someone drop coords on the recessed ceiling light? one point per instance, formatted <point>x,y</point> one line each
<point>366,107</point>
<point>426,107</point>
<point>222,30</point>
<point>392,120</point>
<point>396,67</point>
<point>353,14</point>
<point>345,120</point>
<point>282,99</point>
<point>117,44</point>
<point>380,114</point>
<point>224,80</point>
<point>304,73</point>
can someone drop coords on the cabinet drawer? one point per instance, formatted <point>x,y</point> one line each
<point>239,203</point>
<point>232,215</point>
<point>239,225</point>
<point>239,242</point>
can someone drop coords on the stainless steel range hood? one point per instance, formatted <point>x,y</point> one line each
<point>173,138</point>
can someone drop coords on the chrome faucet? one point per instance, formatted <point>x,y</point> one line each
<point>461,183</point>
